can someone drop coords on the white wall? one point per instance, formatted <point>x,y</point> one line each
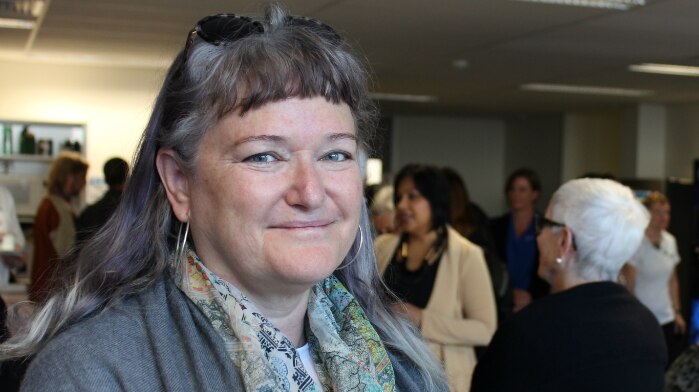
<point>113,103</point>
<point>474,147</point>
<point>651,136</point>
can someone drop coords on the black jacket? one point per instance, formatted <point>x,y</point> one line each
<point>592,337</point>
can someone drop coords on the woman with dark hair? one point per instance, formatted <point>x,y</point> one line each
<point>440,277</point>
<point>466,217</point>
<point>240,256</point>
<point>515,237</point>
<point>469,220</point>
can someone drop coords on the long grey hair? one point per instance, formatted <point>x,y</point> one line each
<point>203,85</point>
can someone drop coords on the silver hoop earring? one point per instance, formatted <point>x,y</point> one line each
<point>179,249</point>
<point>361,242</point>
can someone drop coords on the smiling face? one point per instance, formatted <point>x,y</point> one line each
<point>413,210</point>
<point>275,196</point>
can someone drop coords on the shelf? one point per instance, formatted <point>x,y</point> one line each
<point>8,160</point>
<point>26,158</point>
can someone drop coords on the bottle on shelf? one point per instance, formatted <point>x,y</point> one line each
<point>27,142</point>
<point>7,139</point>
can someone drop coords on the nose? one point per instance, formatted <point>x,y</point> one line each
<point>307,190</point>
<point>402,203</point>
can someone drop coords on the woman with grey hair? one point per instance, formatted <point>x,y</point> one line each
<point>240,257</point>
<point>591,334</point>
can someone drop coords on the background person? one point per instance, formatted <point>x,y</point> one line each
<point>469,220</point>
<point>467,217</point>
<point>590,334</point>
<point>652,276</point>
<point>93,217</point>
<point>515,237</point>
<point>54,223</point>
<point>11,234</point>
<point>383,211</point>
<point>240,257</point>
<point>440,277</point>
<point>10,228</point>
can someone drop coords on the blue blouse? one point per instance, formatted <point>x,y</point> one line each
<point>521,254</point>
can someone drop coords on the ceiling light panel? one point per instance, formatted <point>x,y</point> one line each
<point>610,4</point>
<point>402,97</point>
<point>589,90</point>
<point>665,69</point>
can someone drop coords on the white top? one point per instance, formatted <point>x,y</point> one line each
<point>305,354</point>
<point>9,225</point>
<point>654,268</point>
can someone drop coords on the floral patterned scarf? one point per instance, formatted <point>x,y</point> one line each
<point>346,350</point>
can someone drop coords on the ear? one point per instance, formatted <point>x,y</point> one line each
<point>175,182</point>
<point>566,241</point>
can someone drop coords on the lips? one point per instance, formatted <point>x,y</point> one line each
<point>294,225</point>
<point>404,217</point>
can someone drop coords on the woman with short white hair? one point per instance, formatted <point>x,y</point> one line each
<point>591,334</point>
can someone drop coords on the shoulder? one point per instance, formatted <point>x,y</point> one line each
<point>46,212</point>
<point>460,241</point>
<point>385,244</point>
<point>105,349</point>
<point>460,248</point>
<point>45,203</point>
<point>90,355</point>
<point>385,240</point>
<point>668,239</point>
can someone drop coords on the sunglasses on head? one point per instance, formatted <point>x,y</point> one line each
<point>541,222</point>
<point>224,29</point>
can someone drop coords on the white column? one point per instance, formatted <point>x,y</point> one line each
<point>651,132</point>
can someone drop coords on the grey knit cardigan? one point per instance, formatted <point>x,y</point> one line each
<point>157,340</point>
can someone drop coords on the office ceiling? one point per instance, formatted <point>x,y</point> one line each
<point>410,46</point>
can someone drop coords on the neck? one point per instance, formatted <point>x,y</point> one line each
<point>523,213</point>
<point>566,279</point>
<point>286,312</point>
<point>429,237</point>
<point>653,233</point>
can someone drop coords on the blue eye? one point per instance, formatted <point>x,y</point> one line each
<point>337,156</point>
<point>264,157</point>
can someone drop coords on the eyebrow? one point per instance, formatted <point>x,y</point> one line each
<point>260,138</point>
<point>342,135</point>
<point>280,139</point>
